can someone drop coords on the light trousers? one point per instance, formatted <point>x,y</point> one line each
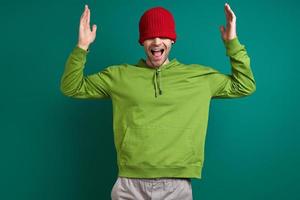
<point>152,189</point>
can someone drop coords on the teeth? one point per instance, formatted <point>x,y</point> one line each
<point>162,50</point>
<point>156,49</point>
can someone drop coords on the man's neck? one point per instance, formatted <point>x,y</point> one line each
<point>148,62</point>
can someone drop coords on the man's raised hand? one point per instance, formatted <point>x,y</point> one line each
<point>229,32</point>
<point>86,36</point>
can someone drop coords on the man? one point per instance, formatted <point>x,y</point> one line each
<point>160,107</point>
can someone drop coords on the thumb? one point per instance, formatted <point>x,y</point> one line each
<point>94,28</point>
<point>222,30</point>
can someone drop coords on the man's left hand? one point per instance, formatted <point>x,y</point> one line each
<point>229,32</point>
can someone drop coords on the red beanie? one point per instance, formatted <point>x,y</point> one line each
<point>157,22</point>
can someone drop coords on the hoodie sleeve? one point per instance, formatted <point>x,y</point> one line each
<point>241,82</point>
<point>75,84</point>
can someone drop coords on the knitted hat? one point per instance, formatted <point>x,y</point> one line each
<point>157,22</point>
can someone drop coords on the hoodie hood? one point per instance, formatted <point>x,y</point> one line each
<point>157,73</point>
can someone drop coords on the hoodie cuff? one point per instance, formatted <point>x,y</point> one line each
<point>80,50</point>
<point>233,46</point>
<point>79,53</point>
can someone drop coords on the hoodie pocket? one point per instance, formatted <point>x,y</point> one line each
<point>157,146</point>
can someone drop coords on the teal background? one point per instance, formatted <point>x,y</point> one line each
<point>54,147</point>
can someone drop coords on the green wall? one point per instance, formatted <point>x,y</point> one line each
<point>55,147</point>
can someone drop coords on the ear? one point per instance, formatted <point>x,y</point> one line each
<point>173,42</point>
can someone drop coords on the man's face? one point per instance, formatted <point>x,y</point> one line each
<point>157,51</point>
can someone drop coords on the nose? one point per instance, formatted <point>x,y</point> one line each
<point>157,40</point>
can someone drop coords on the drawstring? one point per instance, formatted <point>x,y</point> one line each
<point>157,82</point>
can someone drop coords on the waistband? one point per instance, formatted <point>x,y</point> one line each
<point>161,179</point>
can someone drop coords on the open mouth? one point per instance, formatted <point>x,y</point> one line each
<point>157,53</point>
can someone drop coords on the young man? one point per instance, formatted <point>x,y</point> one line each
<point>160,107</point>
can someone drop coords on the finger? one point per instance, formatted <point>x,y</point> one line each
<point>229,12</point>
<point>83,18</point>
<point>222,30</point>
<point>88,16</point>
<point>94,29</point>
<point>83,13</point>
<point>233,15</point>
<point>229,8</point>
<point>226,11</point>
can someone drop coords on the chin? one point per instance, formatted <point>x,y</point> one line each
<point>157,63</point>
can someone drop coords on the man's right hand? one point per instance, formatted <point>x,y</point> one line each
<point>86,36</point>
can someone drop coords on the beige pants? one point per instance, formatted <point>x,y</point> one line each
<point>152,189</point>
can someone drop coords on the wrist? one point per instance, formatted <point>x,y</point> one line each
<point>84,47</point>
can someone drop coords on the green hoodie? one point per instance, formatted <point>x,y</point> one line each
<point>160,115</point>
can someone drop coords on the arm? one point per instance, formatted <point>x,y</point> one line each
<point>73,82</point>
<point>241,82</point>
